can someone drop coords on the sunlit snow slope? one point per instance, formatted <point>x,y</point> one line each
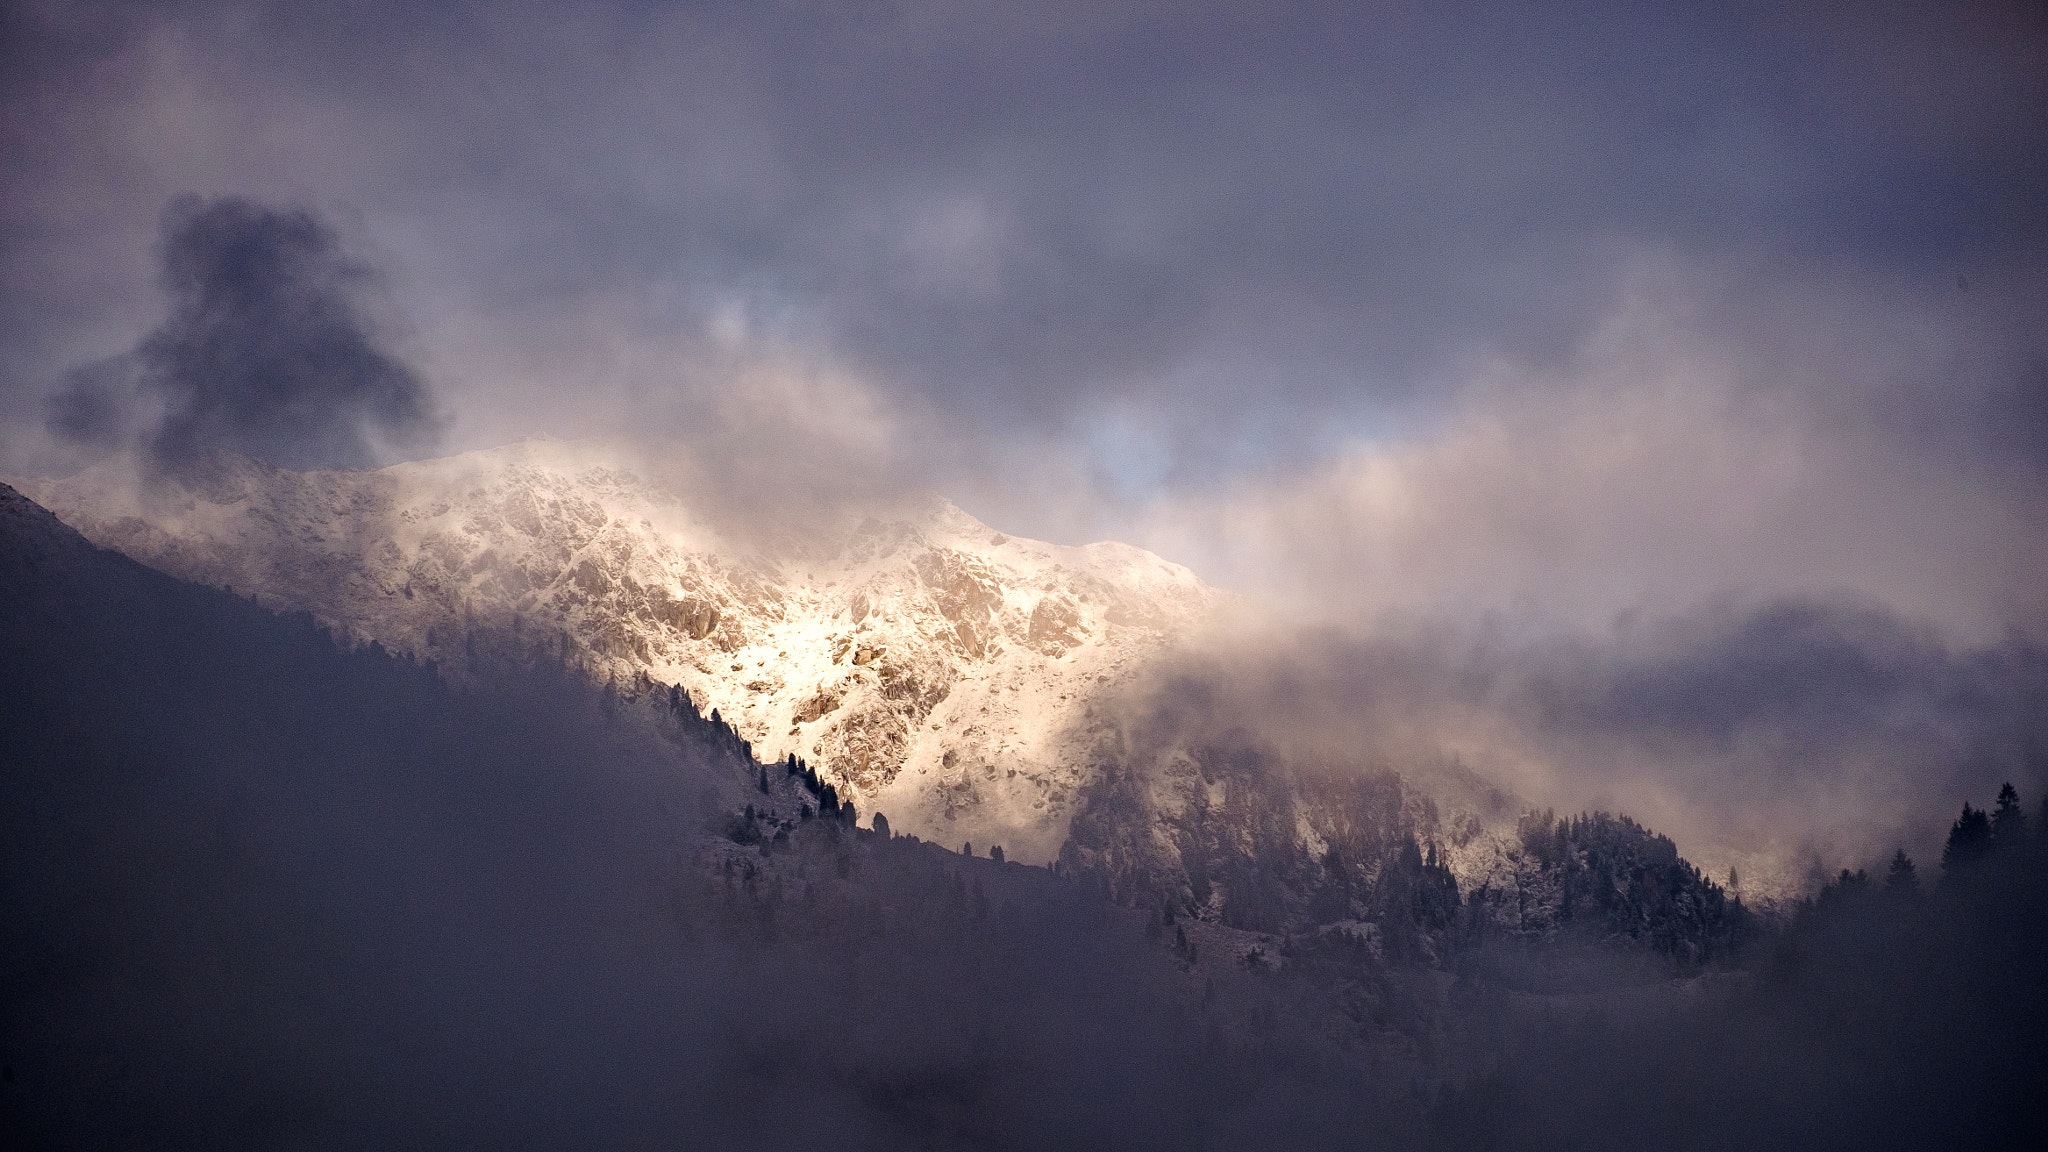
<point>942,669</point>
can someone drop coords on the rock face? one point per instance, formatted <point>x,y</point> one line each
<point>940,670</point>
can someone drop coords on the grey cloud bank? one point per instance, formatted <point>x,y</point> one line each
<point>1247,224</point>
<point>1644,476</point>
<point>1516,319</point>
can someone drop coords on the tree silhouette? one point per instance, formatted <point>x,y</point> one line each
<point>1902,878</point>
<point>2008,822</point>
<point>1969,840</point>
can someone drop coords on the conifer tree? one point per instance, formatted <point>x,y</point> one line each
<point>1969,839</point>
<point>2008,822</point>
<point>1903,878</point>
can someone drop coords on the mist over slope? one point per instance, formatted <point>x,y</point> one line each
<point>266,890</point>
<point>1767,737</point>
<point>977,686</point>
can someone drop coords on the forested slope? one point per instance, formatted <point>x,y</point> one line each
<point>262,890</point>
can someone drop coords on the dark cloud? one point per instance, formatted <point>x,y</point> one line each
<point>1253,225</point>
<point>267,352</point>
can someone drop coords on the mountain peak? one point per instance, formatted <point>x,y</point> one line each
<point>938,669</point>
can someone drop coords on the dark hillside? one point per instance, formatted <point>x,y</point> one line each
<point>264,891</point>
<point>260,890</point>
<point>259,886</point>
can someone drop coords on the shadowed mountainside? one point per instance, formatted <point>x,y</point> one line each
<point>266,890</point>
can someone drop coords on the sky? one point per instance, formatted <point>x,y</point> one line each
<point>1544,321</point>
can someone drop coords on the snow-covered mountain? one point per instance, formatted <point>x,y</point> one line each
<point>941,669</point>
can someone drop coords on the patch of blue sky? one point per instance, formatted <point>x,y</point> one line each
<point>1218,422</point>
<point>1129,452</point>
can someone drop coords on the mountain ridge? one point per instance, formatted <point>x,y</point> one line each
<point>935,668</point>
